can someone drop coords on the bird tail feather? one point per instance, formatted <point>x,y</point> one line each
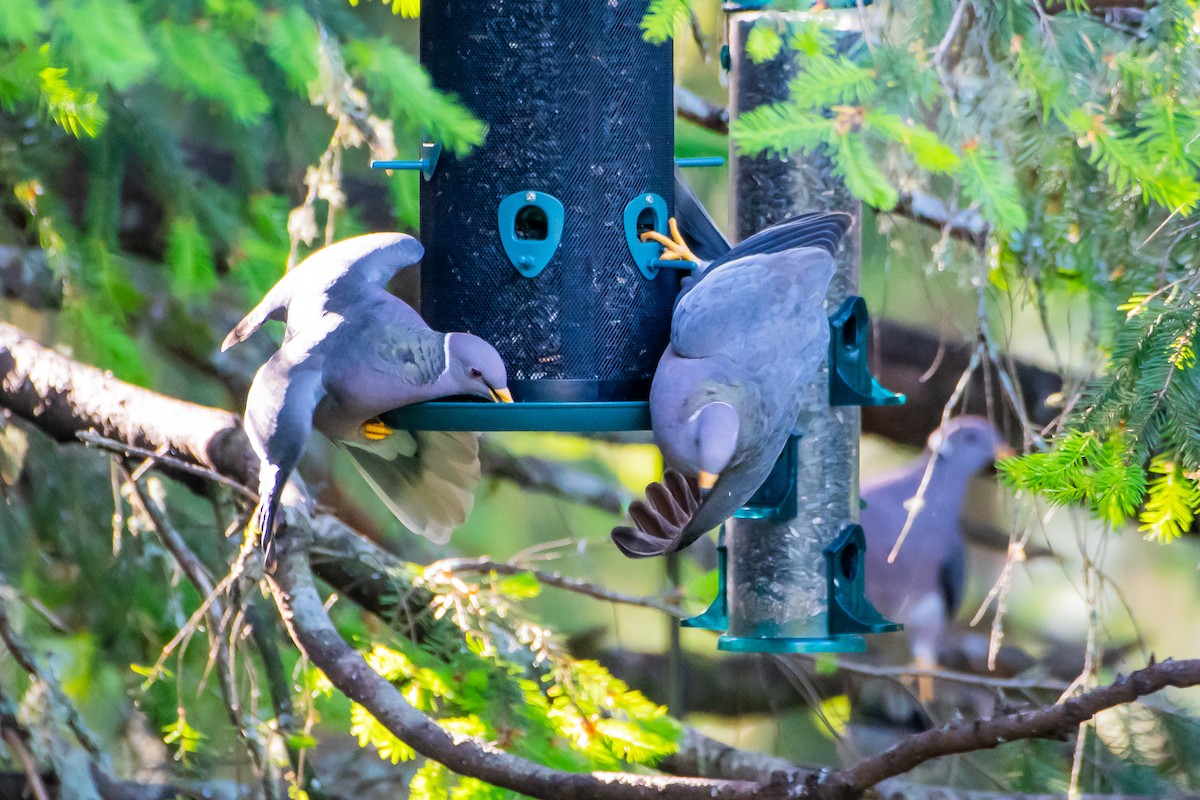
<point>262,524</point>
<point>822,229</point>
<point>431,491</point>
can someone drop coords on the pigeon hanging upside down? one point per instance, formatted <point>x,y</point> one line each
<point>351,351</point>
<point>923,586</point>
<point>748,332</point>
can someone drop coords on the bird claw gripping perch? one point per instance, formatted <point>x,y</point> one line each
<point>674,247</point>
<point>660,519</point>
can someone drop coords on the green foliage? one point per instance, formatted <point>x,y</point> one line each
<point>293,42</point>
<point>492,675</point>
<point>104,39</point>
<point>407,92</point>
<point>185,739</point>
<point>825,81</point>
<point>21,21</point>
<point>1129,163</point>
<point>405,8</point>
<point>1142,412</point>
<point>206,63</point>
<point>1083,469</point>
<point>658,25</point>
<point>1171,503</point>
<point>371,733</point>
<point>856,164</point>
<point>190,258</point>
<point>987,179</point>
<point>781,128</point>
<point>763,43</point>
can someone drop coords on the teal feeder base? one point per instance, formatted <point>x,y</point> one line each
<point>632,415</point>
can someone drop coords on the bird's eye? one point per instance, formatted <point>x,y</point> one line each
<point>474,373</point>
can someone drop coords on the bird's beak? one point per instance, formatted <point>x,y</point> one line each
<point>1005,452</point>
<point>707,480</point>
<point>501,395</point>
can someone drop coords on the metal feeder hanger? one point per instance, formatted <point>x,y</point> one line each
<point>533,241</point>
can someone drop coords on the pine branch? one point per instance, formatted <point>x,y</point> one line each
<point>965,225</point>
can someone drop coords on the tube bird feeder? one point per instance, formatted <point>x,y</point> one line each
<point>792,561</point>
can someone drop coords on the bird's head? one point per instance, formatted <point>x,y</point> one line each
<point>474,367</point>
<point>968,444</point>
<point>709,441</point>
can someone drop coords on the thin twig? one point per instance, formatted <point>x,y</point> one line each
<point>96,440</point>
<point>151,510</point>
<point>17,745</point>
<point>917,501</point>
<point>485,565</point>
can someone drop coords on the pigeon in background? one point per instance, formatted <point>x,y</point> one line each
<point>748,331</point>
<point>352,351</point>
<point>923,587</point>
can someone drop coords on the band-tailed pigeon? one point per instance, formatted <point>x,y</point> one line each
<point>351,351</point>
<point>748,331</point>
<point>923,586</point>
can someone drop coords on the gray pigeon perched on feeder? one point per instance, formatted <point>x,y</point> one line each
<point>922,586</point>
<point>748,331</point>
<point>352,351</point>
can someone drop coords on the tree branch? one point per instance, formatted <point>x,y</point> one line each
<point>1055,722</point>
<point>551,478</point>
<point>307,621</point>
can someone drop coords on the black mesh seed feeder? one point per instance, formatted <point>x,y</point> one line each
<point>533,241</point>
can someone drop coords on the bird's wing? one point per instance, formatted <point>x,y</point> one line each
<point>696,226</point>
<point>417,355</point>
<point>430,486</point>
<point>952,579</point>
<point>755,308</point>
<point>348,267</point>
<point>821,230</point>
<point>279,412</point>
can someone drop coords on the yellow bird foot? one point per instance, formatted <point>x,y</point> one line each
<point>925,681</point>
<point>376,429</point>
<point>674,248</point>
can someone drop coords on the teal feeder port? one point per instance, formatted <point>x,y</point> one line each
<point>845,565</point>
<point>776,498</point>
<point>644,214</point>
<point>850,380</point>
<point>716,617</point>
<point>530,225</point>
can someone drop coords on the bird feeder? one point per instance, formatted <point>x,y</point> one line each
<point>533,242</point>
<point>792,561</point>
